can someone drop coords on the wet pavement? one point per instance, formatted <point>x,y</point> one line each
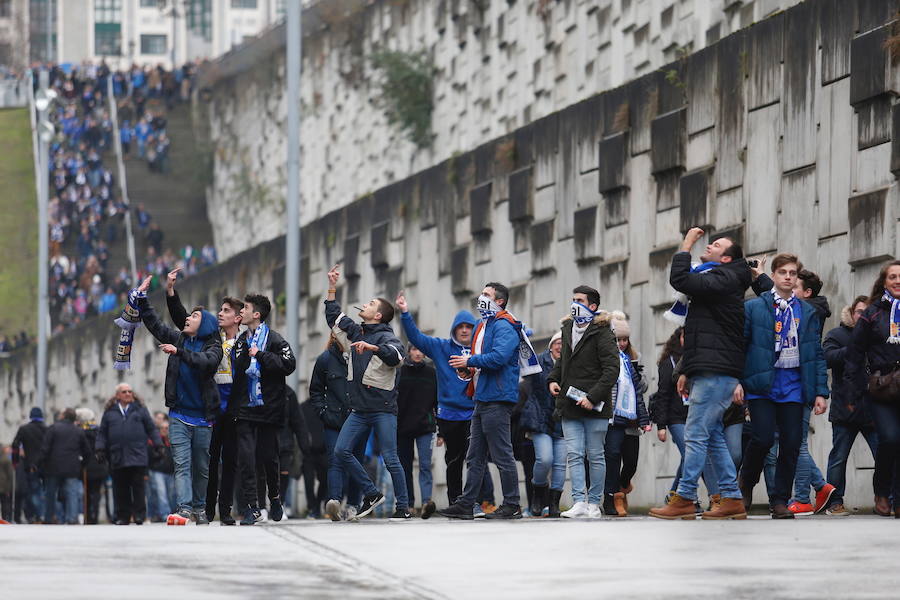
<point>817,557</point>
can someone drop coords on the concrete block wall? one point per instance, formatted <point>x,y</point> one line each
<point>498,66</point>
<point>600,193</point>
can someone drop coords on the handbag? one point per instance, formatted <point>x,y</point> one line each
<point>885,388</point>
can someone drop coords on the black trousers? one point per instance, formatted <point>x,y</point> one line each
<point>765,417</point>
<point>285,460</point>
<point>6,507</point>
<point>94,491</point>
<point>315,468</point>
<point>630,449</point>
<point>456,445</point>
<point>128,491</point>
<point>257,449</point>
<point>222,454</point>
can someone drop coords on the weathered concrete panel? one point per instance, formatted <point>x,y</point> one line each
<point>616,205</point>
<point>587,235</point>
<point>669,133</point>
<point>697,192</point>
<point>872,227</point>
<point>798,206</point>
<point>546,138</point>
<point>835,157</point>
<point>870,65</point>
<point>701,82</point>
<point>543,248</point>
<point>836,31</point>
<point>873,169</point>
<point>521,193</point>
<point>763,188</point>
<point>590,126</point>
<point>641,217</point>
<point>895,139</point>
<point>545,203</point>
<point>615,243</point>
<point>668,227</point>
<point>641,96</point>
<point>667,189</point>
<point>701,150</point>
<point>613,155</point>
<point>874,121</point>
<point>730,122</point>
<point>481,209</point>
<point>728,209</point>
<point>800,50</point>
<point>378,247</point>
<point>460,279</point>
<point>765,51</point>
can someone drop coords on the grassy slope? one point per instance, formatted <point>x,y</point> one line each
<point>18,225</point>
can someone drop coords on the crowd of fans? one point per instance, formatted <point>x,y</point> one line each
<point>86,215</point>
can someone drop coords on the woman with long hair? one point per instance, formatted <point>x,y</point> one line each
<point>876,343</point>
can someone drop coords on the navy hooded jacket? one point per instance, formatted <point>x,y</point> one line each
<point>453,403</point>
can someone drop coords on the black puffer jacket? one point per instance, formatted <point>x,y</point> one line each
<point>328,388</point>
<point>714,329</point>
<point>869,346</point>
<point>93,468</point>
<point>64,451</point>
<point>844,409</point>
<point>666,406</point>
<point>416,399</point>
<point>30,437</point>
<point>124,437</point>
<point>276,361</point>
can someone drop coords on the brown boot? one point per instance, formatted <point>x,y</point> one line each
<point>714,501</point>
<point>781,511</point>
<point>619,502</point>
<point>726,508</point>
<point>882,506</point>
<point>677,508</point>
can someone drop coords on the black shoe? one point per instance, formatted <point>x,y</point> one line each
<point>401,514</point>
<point>780,511</point>
<point>250,516</point>
<point>555,495</point>
<point>428,509</point>
<point>227,519</point>
<point>456,511</point>
<point>506,511</point>
<point>369,504</point>
<point>138,521</point>
<point>276,510</point>
<point>539,499</point>
<point>122,522</point>
<point>200,518</point>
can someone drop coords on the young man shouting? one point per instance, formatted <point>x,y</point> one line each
<point>262,360</point>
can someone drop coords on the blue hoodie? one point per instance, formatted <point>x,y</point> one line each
<point>190,407</point>
<point>453,403</point>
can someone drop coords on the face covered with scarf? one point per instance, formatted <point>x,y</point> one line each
<point>487,305</point>
<point>583,311</point>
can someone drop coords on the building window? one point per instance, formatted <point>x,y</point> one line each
<point>243,3</point>
<point>5,8</point>
<point>107,11</point>
<point>153,44</point>
<point>107,39</point>
<point>149,3</point>
<point>199,15</point>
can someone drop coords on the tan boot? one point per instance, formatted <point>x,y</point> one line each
<point>621,504</point>
<point>714,501</point>
<point>726,508</point>
<point>677,508</point>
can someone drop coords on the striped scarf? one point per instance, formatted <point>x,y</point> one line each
<point>894,337</point>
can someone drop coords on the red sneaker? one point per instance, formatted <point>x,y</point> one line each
<point>801,509</point>
<point>823,496</point>
<point>177,519</point>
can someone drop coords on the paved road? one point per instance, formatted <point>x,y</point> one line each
<point>814,558</point>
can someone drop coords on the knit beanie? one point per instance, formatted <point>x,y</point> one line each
<point>620,326</point>
<point>556,336</point>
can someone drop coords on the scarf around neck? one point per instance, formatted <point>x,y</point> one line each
<point>487,308</point>
<point>678,312</point>
<point>894,337</point>
<point>786,342</point>
<point>259,339</point>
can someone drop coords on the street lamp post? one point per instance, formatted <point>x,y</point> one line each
<point>292,235</point>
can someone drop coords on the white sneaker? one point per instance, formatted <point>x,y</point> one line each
<point>350,513</point>
<point>579,510</point>
<point>477,512</point>
<point>594,511</point>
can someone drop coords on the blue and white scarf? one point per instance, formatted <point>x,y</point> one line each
<point>678,313</point>
<point>486,307</point>
<point>894,337</point>
<point>129,321</point>
<point>625,394</point>
<point>581,314</point>
<point>258,339</point>
<point>787,345</point>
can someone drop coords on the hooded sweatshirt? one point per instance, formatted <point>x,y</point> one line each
<point>190,407</point>
<point>453,403</point>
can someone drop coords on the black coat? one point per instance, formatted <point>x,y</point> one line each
<point>276,361</point>
<point>64,451</point>
<point>843,409</point>
<point>416,399</point>
<point>93,468</point>
<point>124,438</point>
<point>328,391</point>
<point>30,437</point>
<point>666,405</point>
<point>869,350</point>
<point>314,428</point>
<point>592,367</point>
<point>293,427</point>
<point>714,328</point>
<point>162,459</point>
<point>203,363</point>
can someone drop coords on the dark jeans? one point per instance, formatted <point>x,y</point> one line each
<point>339,482</point>
<point>490,432</point>
<point>887,461</point>
<point>222,453</point>
<point>128,491</point>
<point>842,438</point>
<point>456,444</point>
<point>630,450</point>
<point>767,417</point>
<point>356,428</point>
<point>70,488</point>
<point>6,507</point>
<point>613,447</point>
<point>94,493</point>
<point>34,507</point>
<point>257,448</point>
<point>315,467</point>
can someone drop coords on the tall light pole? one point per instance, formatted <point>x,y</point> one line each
<point>292,236</point>
<point>42,102</point>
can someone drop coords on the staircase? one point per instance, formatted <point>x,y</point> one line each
<point>176,199</point>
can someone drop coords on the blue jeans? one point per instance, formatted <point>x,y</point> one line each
<point>35,498</point>
<point>339,482</point>
<point>704,433</point>
<point>190,451</point>
<point>549,460</point>
<point>676,431</point>
<point>160,500</point>
<point>586,436</point>
<point>422,444</point>
<point>356,428</point>
<point>71,490</point>
<point>842,438</point>
<point>490,434</point>
<point>808,474</point>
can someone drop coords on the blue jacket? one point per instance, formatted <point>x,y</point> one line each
<point>759,365</point>
<point>498,380</point>
<point>537,413</point>
<point>453,403</point>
